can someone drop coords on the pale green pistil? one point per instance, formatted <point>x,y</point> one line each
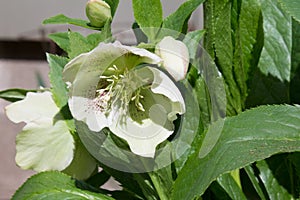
<point>119,89</point>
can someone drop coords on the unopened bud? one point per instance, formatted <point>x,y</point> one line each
<point>98,12</point>
<point>175,57</point>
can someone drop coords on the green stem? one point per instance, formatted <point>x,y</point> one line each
<point>155,180</point>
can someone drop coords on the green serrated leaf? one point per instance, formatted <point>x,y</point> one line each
<point>59,89</point>
<point>149,15</point>
<point>274,188</point>
<point>54,185</point>
<point>58,86</point>
<point>219,42</point>
<point>292,7</point>
<point>61,39</point>
<point>78,44</point>
<point>251,136</point>
<point>275,57</point>
<point>245,40</point>
<point>14,94</point>
<point>62,19</point>
<point>178,20</point>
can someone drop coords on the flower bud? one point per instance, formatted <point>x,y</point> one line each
<point>98,12</point>
<point>175,56</point>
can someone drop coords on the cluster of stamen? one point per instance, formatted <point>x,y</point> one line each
<point>119,89</point>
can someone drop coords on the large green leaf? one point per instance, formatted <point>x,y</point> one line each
<point>149,15</point>
<point>292,7</point>
<point>62,19</point>
<point>54,185</point>
<point>14,94</point>
<point>275,57</point>
<point>253,135</point>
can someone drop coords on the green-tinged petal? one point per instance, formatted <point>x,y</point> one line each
<point>106,55</point>
<point>145,129</point>
<point>162,84</point>
<point>33,107</point>
<point>83,164</point>
<point>43,143</point>
<point>175,57</point>
<point>43,146</point>
<point>142,138</point>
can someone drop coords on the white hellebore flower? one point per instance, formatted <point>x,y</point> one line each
<point>45,144</point>
<point>110,88</point>
<point>175,57</point>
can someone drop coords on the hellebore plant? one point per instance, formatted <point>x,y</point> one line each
<point>163,116</point>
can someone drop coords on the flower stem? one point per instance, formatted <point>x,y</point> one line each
<point>160,191</point>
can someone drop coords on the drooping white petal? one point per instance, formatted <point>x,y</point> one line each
<point>43,144</point>
<point>175,56</point>
<point>33,107</point>
<point>141,138</point>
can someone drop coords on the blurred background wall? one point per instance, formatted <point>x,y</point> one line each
<point>23,43</point>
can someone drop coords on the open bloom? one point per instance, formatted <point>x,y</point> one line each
<point>45,144</point>
<point>109,87</point>
<point>175,57</point>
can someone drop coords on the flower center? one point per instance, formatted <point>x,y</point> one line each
<point>119,89</point>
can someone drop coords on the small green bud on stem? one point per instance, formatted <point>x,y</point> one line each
<point>98,12</point>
